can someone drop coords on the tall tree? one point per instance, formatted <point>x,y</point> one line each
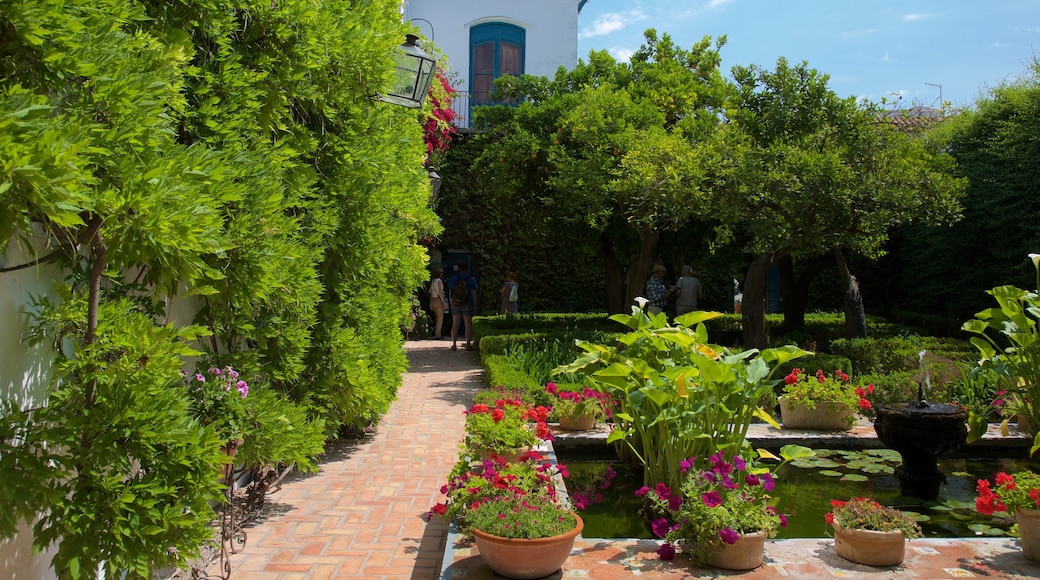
<point>614,143</point>
<point>810,173</point>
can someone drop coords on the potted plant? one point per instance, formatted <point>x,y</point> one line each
<point>1017,494</point>
<point>866,532</point>
<point>677,395</point>
<point>576,410</point>
<point>218,398</point>
<point>1008,338</point>
<point>822,402</point>
<point>509,427</point>
<point>722,513</point>
<point>520,523</point>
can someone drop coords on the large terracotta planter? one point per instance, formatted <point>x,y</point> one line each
<point>825,416</point>
<point>1029,533</point>
<point>870,547</point>
<point>582,422</point>
<point>526,558</point>
<point>746,554</point>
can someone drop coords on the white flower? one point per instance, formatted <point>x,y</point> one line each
<point>642,302</point>
<point>1036,260</point>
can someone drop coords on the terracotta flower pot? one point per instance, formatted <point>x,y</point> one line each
<point>511,456</point>
<point>746,554</point>
<point>535,558</point>
<point>1029,533</point>
<point>582,422</point>
<point>826,416</point>
<point>870,547</point>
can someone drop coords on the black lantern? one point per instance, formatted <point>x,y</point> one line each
<point>413,74</point>
<point>435,181</point>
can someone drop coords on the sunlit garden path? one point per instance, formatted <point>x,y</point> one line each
<point>360,516</point>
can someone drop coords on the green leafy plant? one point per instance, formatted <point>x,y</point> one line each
<point>1015,322</point>
<point>716,503</point>
<point>867,514</point>
<point>677,395</point>
<point>516,499</point>
<point>801,388</point>
<point>1015,491</point>
<point>507,425</point>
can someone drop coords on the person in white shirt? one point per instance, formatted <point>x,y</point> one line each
<point>438,301</point>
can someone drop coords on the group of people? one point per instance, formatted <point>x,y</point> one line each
<point>686,291</point>
<point>460,298</point>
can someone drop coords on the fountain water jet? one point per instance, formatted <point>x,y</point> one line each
<point>921,431</point>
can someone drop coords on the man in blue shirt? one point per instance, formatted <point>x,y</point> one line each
<point>656,292</point>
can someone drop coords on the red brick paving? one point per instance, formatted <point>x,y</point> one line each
<point>360,515</point>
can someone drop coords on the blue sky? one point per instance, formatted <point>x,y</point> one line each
<point>871,49</point>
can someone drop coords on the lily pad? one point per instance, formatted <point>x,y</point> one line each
<point>878,469</point>
<point>825,463</point>
<point>985,530</point>
<point>855,477</point>
<point>831,473</point>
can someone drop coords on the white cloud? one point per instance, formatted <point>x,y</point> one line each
<point>717,3</point>
<point>621,54</point>
<point>612,22</point>
<point>859,33</point>
<point>886,58</point>
<point>914,17</point>
<point>999,44</point>
<point>1029,29</point>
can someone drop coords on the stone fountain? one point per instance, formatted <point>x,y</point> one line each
<point>921,432</point>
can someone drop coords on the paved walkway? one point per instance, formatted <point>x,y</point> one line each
<point>360,516</point>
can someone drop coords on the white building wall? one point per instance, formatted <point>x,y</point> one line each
<point>551,30</point>
<point>24,379</point>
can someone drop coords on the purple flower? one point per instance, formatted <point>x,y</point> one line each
<point>215,371</point>
<point>719,465</point>
<point>659,527</point>
<point>243,388</point>
<point>666,552</point>
<point>686,464</point>
<point>663,491</point>
<point>752,479</point>
<point>728,535</point>
<point>783,520</point>
<point>674,503</point>
<point>642,491</point>
<point>767,482</point>
<point>200,378</point>
<point>711,499</point>
<point>710,476</point>
<point>729,483</point>
<point>739,463</point>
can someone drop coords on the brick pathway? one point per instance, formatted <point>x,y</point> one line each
<point>360,516</point>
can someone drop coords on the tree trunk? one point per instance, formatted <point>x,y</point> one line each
<point>639,270</point>
<point>855,315</point>
<point>615,275</point>
<point>753,308</point>
<point>796,290</point>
